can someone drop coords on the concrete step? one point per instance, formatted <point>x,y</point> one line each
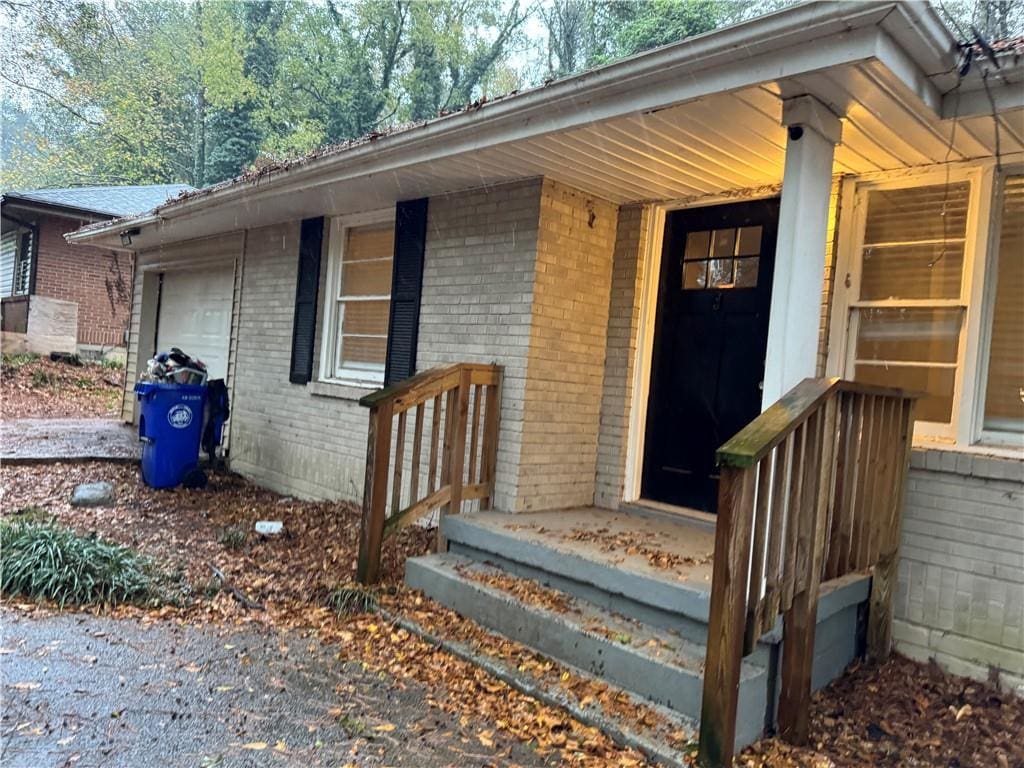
<point>656,663</point>
<point>657,599</point>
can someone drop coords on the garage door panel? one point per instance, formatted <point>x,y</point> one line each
<point>195,315</point>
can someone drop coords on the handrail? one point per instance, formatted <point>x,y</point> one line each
<point>754,441</point>
<point>461,404</point>
<point>810,490</point>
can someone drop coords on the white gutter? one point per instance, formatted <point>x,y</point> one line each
<point>610,91</point>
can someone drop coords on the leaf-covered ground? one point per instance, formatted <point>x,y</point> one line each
<point>900,714</point>
<point>32,386</point>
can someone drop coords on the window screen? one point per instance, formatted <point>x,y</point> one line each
<point>1004,392</point>
<point>909,313</point>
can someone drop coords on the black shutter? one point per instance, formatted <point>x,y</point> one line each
<point>406,287</point>
<point>307,288</point>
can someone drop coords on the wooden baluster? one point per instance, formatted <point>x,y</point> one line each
<point>450,406</point>
<point>455,450</point>
<point>796,476</point>
<point>800,621</point>
<point>417,438</point>
<point>883,579</point>
<point>490,441</point>
<point>753,625</point>
<point>885,472</point>
<point>375,491</point>
<point>474,429</point>
<point>780,480</point>
<point>726,619</point>
<point>396,488</point>
<point>862,505</point>
<point>435,433</point>
<point>833,436</point>
<point>839,555</point>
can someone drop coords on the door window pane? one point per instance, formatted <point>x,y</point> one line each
<point>697,245</point>
<point>750,241</point>
<point>746,272</point>
<point>709,261</point>
<point>720,273</point>
<point>694,275</point>
<point>1004,392</point>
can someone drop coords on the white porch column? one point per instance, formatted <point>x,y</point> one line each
<point>814,131</point>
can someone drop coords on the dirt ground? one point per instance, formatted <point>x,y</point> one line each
<point>32,386</point>
<point>899,714</point>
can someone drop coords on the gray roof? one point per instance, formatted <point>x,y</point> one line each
<point>115,201</point>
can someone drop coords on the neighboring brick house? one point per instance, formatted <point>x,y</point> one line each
<point>76,299</point>
<point>648,250</point>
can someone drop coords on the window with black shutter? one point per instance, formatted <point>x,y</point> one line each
<point>406,288</point>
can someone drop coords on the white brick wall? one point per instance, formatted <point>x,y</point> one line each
<point>623,325</point>
<point>477,297</point>
<point>960,595</point>
<point>567,349</point>
<point>283,436</point>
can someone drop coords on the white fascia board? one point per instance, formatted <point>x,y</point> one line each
<point>1005,89</point>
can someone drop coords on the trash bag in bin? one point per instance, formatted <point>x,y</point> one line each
<point>170,427</point>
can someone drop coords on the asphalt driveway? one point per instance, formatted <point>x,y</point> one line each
<point>81,690</point>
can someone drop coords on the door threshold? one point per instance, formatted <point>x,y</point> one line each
<point>659,509</point>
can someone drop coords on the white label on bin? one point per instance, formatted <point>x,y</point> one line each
<point>180,416</point>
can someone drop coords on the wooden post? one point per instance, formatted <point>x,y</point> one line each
<point>375,493</point>
<point>489,447</point>
<point>883,579</point>
<point>455,445</point>
<point>727,615</point>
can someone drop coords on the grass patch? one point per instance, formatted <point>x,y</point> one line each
<point>44,561</point>
<point>112,364</point>
<point>353,598</point>
<point>13,362</point>
<point>233,537</point>
<point>41,378</point>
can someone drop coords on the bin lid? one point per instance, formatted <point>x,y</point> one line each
<point>146,387</point>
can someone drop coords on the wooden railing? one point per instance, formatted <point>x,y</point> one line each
<point>811,490</point>
<point>461,404</point>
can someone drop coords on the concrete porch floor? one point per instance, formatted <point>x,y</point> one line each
<point>663,547</point>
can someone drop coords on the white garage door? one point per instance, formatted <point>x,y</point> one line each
<point>195,316</point>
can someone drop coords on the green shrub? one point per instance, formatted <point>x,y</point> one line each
<point>13,362</point>
<point>41,378</point>
<point>113,363</point>
<point>353,598</point>
<point>43,560</point>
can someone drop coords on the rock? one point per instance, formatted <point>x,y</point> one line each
<point>93,495</point>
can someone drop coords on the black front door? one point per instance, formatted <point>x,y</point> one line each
<point>710,336</point>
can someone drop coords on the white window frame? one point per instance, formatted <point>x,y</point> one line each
<point>963,430</point>
<point>331,369</point>
<point>980,434</point>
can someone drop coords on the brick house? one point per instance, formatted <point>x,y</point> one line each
<point>74,298</point>
<point>747,248</point>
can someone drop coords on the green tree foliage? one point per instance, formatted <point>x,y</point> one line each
<point>147,91</point>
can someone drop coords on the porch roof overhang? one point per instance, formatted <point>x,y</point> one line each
<point>691,119</point>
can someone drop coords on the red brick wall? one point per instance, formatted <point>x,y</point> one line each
<point>99,279</point>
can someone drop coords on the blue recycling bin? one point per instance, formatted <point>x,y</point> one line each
<point>170,428</point>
